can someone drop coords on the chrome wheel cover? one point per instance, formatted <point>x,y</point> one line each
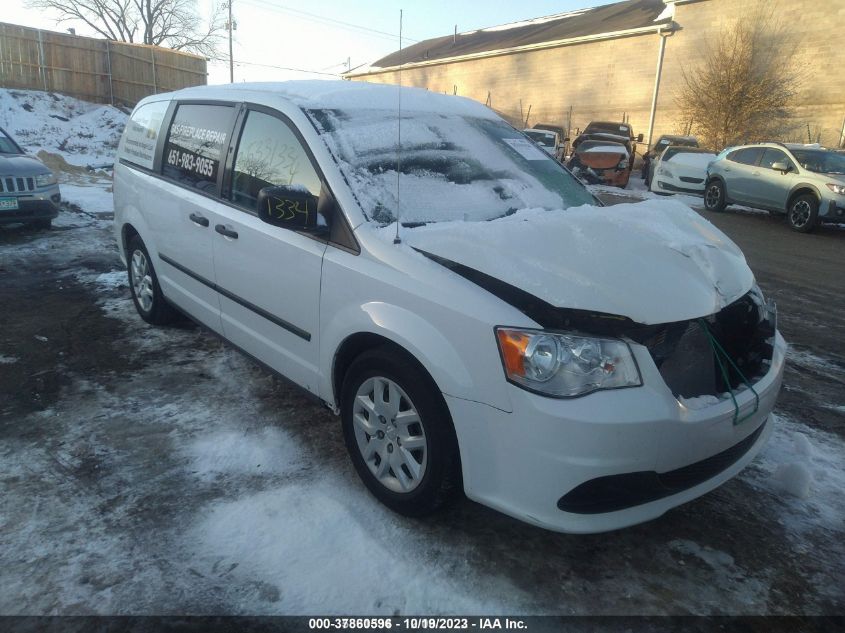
<point>800,213</point>
<point>711,200</point>
<point>389,434</point>
<point>142,281</point>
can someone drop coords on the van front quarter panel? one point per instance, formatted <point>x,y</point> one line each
<point>435,320</point>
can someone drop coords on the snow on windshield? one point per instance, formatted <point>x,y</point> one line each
<point>453,166</point>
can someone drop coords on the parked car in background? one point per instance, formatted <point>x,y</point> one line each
<point>601,162</point>
<point>563,138</point>
<point>499,333</point>
<point>548,141</point>
<point>662,143</point>
<point>29,191</point>
<point>681,170</point>
<point>807,183</point>
<point>610,131</point>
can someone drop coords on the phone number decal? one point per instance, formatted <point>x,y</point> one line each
<point>187,161</point>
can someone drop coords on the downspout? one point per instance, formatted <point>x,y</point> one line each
<point>664,34</point>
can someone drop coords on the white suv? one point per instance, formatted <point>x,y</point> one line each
<point>473,315</point>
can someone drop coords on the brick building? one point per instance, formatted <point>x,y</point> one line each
<point>603,63</point>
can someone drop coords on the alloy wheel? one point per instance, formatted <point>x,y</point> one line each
<point>800,214</point>
<point>142,281</point>
<point>712,197</point>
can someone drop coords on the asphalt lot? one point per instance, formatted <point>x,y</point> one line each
<point>157,471</point>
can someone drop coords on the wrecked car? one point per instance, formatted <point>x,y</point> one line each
<point>478,321</point>
<point>602,162</point>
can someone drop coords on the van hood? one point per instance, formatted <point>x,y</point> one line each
<point>653,262</point>
<point>20,165</point>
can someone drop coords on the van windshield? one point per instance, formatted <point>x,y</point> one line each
<point>453,167</point>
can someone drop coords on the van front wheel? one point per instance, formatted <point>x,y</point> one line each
<point>399,433</point>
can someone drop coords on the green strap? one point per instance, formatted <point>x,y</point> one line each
<point>720,353</point>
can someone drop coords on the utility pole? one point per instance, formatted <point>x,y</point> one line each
<point>231,59</point>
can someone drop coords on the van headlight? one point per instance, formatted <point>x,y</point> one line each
<point>45,180</point>
<point>566,365</point>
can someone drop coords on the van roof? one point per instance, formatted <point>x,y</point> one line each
<point>341,95</point>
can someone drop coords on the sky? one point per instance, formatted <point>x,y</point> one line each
<point>323,36</point>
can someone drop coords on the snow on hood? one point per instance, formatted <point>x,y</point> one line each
<point>604,149</point>
<point>695,161</point>
<point>653,261</point>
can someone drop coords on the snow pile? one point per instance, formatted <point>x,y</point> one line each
<point>81,133</point>
<point>803,467</point>
<point>793,478</point>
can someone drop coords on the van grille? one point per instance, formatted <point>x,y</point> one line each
<point>687,363</point>
<point>16,184</point>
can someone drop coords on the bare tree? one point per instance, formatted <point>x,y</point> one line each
<point>744,87</point>
<point>174,24</point>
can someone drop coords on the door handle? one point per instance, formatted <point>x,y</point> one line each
<point>756,173</point>
<point>198,219</point>
<point>226,232</point>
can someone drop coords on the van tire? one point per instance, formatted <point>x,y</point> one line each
<point>439,479</point>
<point>151,305</point>
<point>714,196</point>
<point>803,213</point>
<point>43,225</point>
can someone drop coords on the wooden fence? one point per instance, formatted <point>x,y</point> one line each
<point>93,69</point>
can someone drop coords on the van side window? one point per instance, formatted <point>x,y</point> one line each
<point>269,154</point>
<point>141,135</point>
<point>195,145</point>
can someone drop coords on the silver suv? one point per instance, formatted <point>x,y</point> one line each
<point>29,192</point>
<point>805,182</point>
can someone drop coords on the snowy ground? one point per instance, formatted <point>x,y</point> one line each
<point>150,470</point>
<point>154,470</point>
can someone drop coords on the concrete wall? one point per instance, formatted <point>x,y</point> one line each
<point>814,25</point>
<point>606,79</point>
<point>599,80</point>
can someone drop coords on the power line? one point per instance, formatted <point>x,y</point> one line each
<point>265,4</point>
<point>299,70</point>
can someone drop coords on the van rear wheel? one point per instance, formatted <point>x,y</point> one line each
<point>143,284</point>
<point>399,433</point>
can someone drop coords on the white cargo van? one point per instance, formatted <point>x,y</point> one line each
<point>475,316</point>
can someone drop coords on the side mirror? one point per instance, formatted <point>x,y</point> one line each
<point>639,138</point>
<point>781,166</point>
<point>288,207</point>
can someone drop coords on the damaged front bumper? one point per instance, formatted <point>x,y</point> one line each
<point>616,458</point>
